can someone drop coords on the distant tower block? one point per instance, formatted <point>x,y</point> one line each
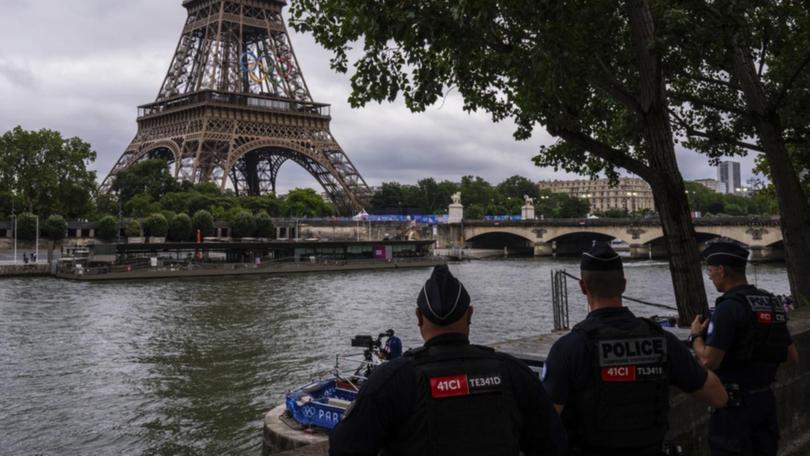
<point>234,107</point>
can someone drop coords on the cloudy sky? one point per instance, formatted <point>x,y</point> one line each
<point>82,67</point>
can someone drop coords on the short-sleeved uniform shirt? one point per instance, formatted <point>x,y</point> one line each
<point>387,400</point>
<point>570,363</point>
<point>725,327</point>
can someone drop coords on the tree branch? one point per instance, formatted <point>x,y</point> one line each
<point>607,153</point>
<point>702,134</point>
<point>613,87</point>
<point>708,103</point>
<point>708,80</point>
<point>789,84</point>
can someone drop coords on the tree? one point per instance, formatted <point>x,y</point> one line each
<point>203,222</point>
<point>306,203</point>
<point>156,225</point>
<point>243,225</point>
<point>264,225</point>
<point>516,187</point>
<point>107,228</point>
<point>141,205</point>
<point>603,94</point>
<point>55,230</point>
<point>149,177</point>
<point>133,229</point>
<point>744,85</point>
<point>180,229</point>
<point>47,172</point>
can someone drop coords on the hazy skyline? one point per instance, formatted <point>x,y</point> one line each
<point>82,67</point>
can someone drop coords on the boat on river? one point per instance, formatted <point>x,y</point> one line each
<point>321,404</point>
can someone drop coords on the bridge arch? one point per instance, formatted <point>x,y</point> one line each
<point>496,240</point>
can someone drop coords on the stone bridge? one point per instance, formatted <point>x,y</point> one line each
<point>644,237</point>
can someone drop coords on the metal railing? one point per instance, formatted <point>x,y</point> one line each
<point>559,297</point>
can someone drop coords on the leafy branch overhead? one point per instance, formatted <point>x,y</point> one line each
<point>529,61</point>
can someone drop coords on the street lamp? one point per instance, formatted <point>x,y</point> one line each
<point>14,222</point>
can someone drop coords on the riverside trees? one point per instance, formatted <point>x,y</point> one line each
<point>46,174</point>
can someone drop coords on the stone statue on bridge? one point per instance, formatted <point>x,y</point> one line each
<point>528,200</point>
<point>456,197</point>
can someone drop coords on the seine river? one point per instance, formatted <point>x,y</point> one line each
<point>191,366</point>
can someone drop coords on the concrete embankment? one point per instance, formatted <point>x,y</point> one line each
<point>688,418</point>
<point>26,270</point>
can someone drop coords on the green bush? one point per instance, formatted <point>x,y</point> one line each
<point>204,222</point>
<point>264,225</point>
<point>243,225</point>
<point>56,228</point>
<point>107,228</point>
<point>180,229</point>
<point>156,225</point>
<point>133,229</point>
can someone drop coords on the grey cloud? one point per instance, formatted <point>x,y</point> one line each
<point>17,75</point>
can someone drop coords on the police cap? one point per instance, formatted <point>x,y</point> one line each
<point>725,254</point>
<point>443,299</point>
<point>600,258</point>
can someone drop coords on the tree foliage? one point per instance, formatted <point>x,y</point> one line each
<point>180,229</point>
<point>148,177</point>
<point>55,228</point>
<point>47,173</point>
<point>156,225</point>
<point>107,228</point>
<point>203,222</point>
<point>305,202</point>
<point>264,225</point>
<point>243,225</point>
<point>133,229</point>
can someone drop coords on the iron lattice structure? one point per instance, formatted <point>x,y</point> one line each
<point>234,107</point>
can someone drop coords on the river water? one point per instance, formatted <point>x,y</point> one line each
<point>189,367</point>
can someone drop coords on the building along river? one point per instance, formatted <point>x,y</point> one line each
<point>190,366</point>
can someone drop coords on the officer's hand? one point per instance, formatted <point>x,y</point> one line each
<point>699,325</point>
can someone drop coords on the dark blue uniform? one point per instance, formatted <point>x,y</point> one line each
<point>393,348</point>
<point>569,369</point>
<point>387,402</point>
<point>750,428</point>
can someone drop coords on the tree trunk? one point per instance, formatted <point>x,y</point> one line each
<point>676,222</point>
<point>665,179</point>
<point>794,208</point>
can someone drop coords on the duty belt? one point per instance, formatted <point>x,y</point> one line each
<point>736,393</point>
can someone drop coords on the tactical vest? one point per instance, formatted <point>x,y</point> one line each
<point>625,402</point>
<point>465,405</point>
<point>763,337</point>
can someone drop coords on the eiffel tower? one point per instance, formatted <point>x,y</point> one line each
<point>234,107</point>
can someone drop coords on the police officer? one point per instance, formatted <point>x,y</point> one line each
<point>609,377</point>
<point>449,397</point>
<point>746,340</point>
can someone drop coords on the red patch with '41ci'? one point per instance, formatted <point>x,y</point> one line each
<point>765,317</point>
<point>619,374</point>
<point>454,385</point>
